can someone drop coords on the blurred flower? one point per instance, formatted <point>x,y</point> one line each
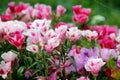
<point>97,19</point>
<point>60,10</point>
<point>80,14</point>
<point>42,11</point>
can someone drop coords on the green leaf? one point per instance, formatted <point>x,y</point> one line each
<point>111,63</point>
<point>73,62</point>
<point>20,70</point>
<point>32,65</point>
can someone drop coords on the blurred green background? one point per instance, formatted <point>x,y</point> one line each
<point>110,9</point>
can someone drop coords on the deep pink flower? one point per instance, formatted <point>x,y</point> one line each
<point>16,40</point>
<point>81,18</point>
<point>104,36</point>
<point>11,6</point>
<point>59,24</point>
<point>6,17</point>
<point>80,14</point>
<point>77,9</point>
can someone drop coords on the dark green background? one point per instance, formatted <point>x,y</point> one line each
<point>110,9</point>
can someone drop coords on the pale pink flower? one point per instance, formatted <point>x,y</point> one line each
<point>9,56</point>
<point>61,31</point>
<point>52,43</point>
<point>90,35</point>
<point>83,78</point>
<point>74,34</point>
<point>13,26</point>
<point>60,10</point>
<point>33,36</point>
<point>16,39</point>
<point>43,24</point>
<point>94,65</point>
<point>32,48</point>
<point>5,69</point>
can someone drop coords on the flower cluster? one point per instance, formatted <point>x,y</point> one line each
<point>35,44</point>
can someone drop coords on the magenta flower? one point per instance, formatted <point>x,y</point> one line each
<point>17,40</point>
<point>80,14</point>
<point>104,36</point>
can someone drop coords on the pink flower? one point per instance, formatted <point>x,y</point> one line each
<point>21,7</point>
<point>52,43</point>
<point>5,69</point>
<point>80,18</point>
<point>80,14</point>
<point>9,56</point>
<point>77,9</point>
<point>61,31</point>
<point>104,36</point>
<point>11,6</point>
<point>17,39</point>
<point>59,24</point>
<point>6,17</point>
<point>60,10</point>
<point>42,11</point>
<point>74,34</point>
<point>83,78</point>
<point>94,65</point>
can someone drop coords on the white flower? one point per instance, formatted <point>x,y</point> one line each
<point>94,65</point>
<point>9,56</point>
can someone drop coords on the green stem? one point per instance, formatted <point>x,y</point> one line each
<point>95,78</point>
<point>45,65</point>
<point>63,61</point>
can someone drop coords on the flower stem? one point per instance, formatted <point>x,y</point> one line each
<point>95,78</point>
